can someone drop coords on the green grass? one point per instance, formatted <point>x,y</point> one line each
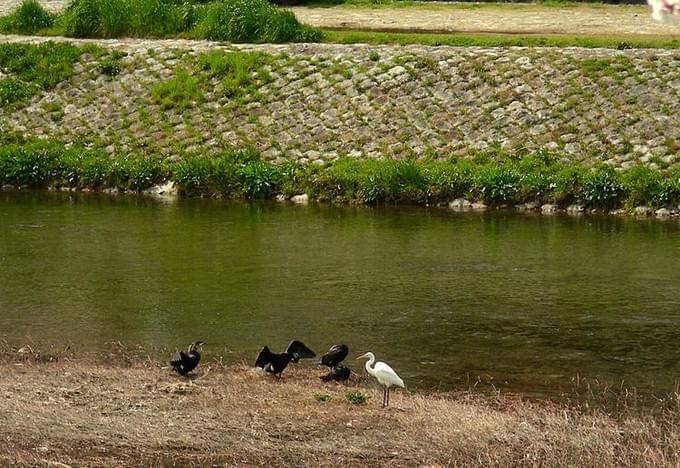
<point>180,92</point>
<point>356,398</point>
<point>253,21</point>
<point>28,18</point>
<point>497,40</point>
<point>494,178</point>
<point>34,67</point>
<point>240,72</point>
<point>223,20</point>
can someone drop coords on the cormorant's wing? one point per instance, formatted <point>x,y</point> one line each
<point>335,355</point>
<point>177,358</point>
<point>299,349</point>
<point>264,357</point>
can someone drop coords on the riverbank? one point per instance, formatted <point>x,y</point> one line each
<point>114,409</point>
<point>315,103</point>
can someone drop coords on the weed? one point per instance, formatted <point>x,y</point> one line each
<point>12,91</point>
<point>29,18</point>
<point>602,188</point>
<point>323,397</point>
<point>110,67</point>
<point>238,71</point>
<point>253,21</point>
<point>374,56</point>
<point>179,93</point>
<point>356,398</point>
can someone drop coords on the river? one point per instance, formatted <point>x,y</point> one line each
<point>526,303</point>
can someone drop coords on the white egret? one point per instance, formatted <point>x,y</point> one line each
<point>384,374</point>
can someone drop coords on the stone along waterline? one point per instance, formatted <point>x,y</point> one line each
<point>526,303</point>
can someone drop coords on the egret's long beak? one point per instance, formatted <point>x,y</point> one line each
<point>363,356</point>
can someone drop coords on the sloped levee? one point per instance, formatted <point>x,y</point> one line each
<point>315,103</point>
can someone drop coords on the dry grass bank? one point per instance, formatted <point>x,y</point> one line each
<point>94,412</point>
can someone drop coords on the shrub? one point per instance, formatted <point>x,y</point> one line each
<point>33,164</point>
<point>97,18</point>
<point>497,184</point>
<point>448,180</point>
<point>83,168</point>
<point>643,186</point>
<point>568,183</point>
<point>134,172</point>
<point>253,21</point>
<point>28,18</point>
<point>602,188</point>
<point>161,18</point>
<point>193,175</point>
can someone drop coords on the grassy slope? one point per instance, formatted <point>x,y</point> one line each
<point>94,413</point>
<point>499,40</point>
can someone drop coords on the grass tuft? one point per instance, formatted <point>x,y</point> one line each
<point>356,398</point>
<point>179,93</point>
<point>29,18</point>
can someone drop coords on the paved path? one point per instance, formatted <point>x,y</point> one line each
<point>518,19</point>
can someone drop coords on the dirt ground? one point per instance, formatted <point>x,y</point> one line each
<point>598,20</point>
<point>120,411</point>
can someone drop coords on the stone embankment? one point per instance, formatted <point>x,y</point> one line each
<point>323,101</point>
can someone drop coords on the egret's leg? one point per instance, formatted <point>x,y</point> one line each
<point>388,396</point>
<point>384,397</point>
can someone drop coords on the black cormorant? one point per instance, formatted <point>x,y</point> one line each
<point>335,355</point>
<point>275,363</point>
<point>183,363</point>
<point>338,373</point>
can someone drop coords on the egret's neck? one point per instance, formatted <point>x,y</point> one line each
<point>369,363</point>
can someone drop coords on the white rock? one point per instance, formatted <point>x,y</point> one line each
<point>662,212</point>
<point>479,206</point>
<point>548,208</point>
<point>460,204</point>
<point>301,199</point>
<point>167,189</point>
<point>642,210</point>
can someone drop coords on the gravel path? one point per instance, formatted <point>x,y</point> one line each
<point>524,19</point>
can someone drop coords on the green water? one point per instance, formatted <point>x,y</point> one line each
<point>525,302</point>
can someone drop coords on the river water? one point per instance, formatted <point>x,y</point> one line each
<point>526,303</point>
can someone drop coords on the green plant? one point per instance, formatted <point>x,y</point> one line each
<point>602,188</point>
<point>322,397</point>
<point>374,56</point>
<point>498,184</point>
<point>12,91</point>
<point>239,71</point>
<point>97,18</point>
<point>44,65</point>
<point>27,18</point>
<point>356,398</point>
<point>180,92</point>
<point>253,21</point>
<point>644,186</point>
<point>110,66</point>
